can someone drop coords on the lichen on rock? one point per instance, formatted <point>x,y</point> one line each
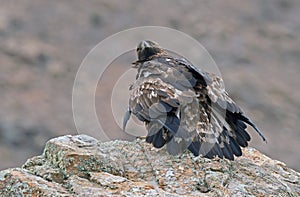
<point>82,166</point>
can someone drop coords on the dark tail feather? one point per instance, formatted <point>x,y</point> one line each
<point>126,118</point>
<point>160,127</point>
<point>194,147</point>
<point>248,121</point>
<point>171,123</point>
<point>159,141</point>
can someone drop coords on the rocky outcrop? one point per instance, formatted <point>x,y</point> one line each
<point>82,166</point>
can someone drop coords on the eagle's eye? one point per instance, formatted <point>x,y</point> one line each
<point>138,49</point>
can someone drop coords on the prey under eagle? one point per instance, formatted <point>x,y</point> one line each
<point>184,107</point>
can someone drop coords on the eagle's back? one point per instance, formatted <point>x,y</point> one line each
<point>186,108</point>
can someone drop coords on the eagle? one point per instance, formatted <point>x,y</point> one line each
<point>184,107</point>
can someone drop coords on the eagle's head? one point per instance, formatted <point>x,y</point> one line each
<point>147,49</point>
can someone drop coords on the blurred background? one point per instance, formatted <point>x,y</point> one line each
<point>256,45</point>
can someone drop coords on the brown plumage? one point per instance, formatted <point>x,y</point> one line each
<point>184,107</point>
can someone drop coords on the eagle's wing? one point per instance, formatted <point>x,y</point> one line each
<point>156,103</point>
<point>222,125</point>
<point>186,108</point>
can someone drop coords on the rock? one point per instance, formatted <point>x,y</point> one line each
<point>82,166</point>
<point>20,182</point>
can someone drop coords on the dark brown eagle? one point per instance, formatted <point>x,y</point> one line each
<point>185,107</point>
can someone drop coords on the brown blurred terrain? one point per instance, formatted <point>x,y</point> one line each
<point>256,45</point>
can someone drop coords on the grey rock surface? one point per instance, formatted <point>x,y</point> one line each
<point>82,166</point>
